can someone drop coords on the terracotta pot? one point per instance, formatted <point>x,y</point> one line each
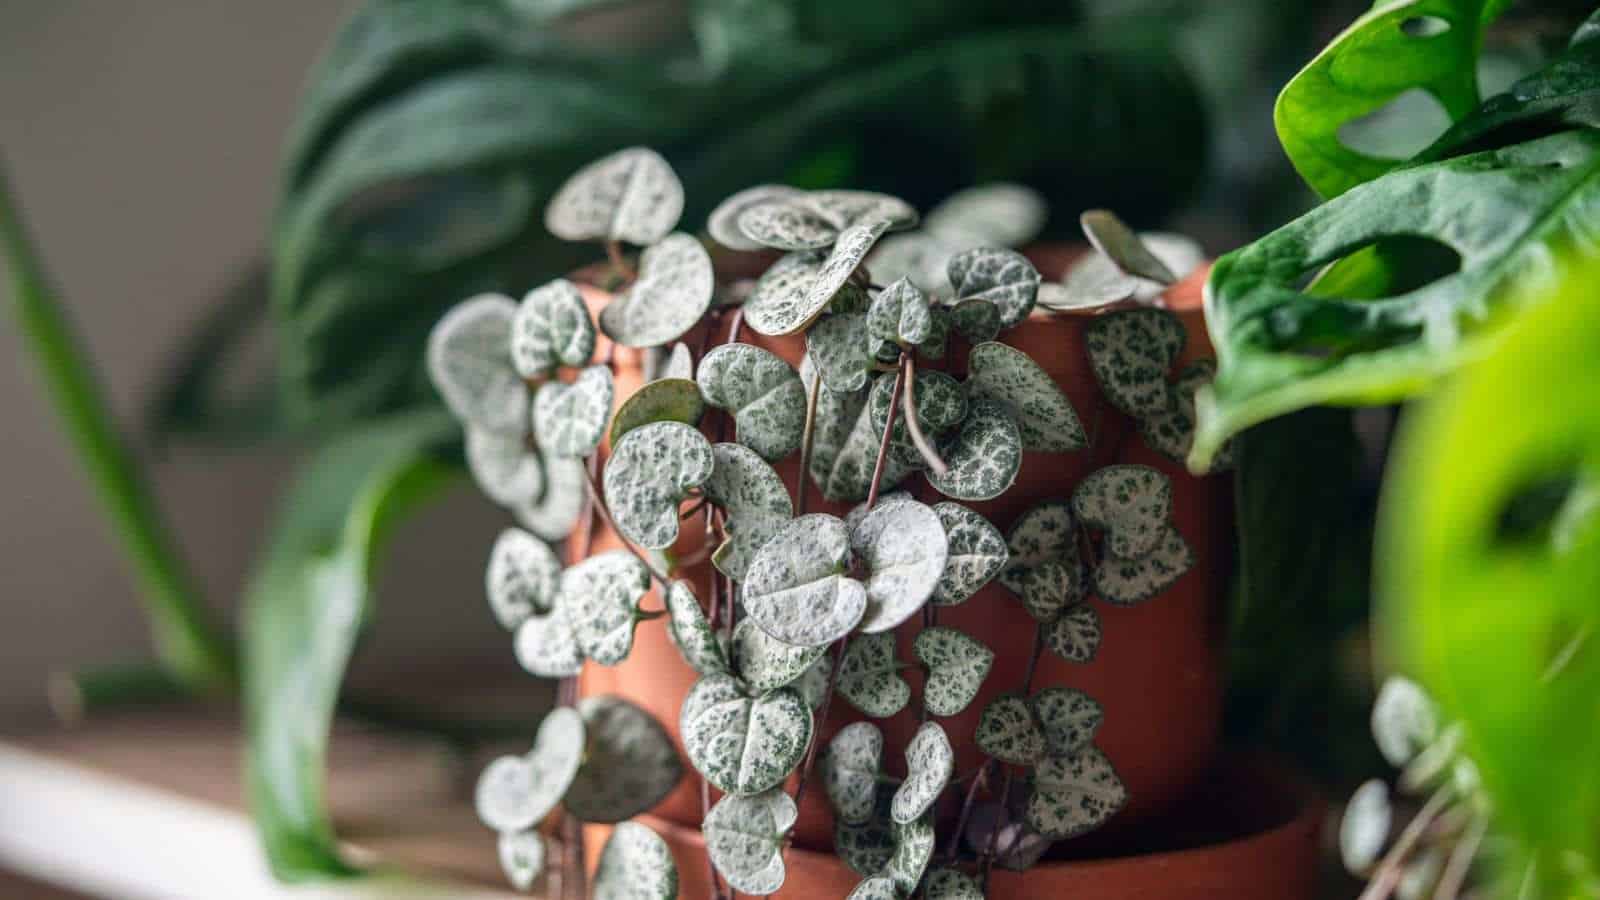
<point>1158,670</point>
<point>1248,832</point>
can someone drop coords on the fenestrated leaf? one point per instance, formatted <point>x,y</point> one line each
<point>516,792</point>
<point>551,328</point>
<point>977,320</point>
<point>869,676</point>
<point>636,864</point>
<point>899,315</point>
<point>930,763</point>
<point>723,223</point>
<point>902,545</point>
<point>1131,352</point>
<point>983,458</point>
<point>1131,503</point>
<point>841,349</point>
<point>570,419</point>
<point>1404,720</point>
<point>1008,731</point>
<point>1074,794</point>
<point>522,856</point>
<point>913,849</point>
<point>649,474</point>
<point>764,394</point>
<point>878,887</point>
<point>1002,277</point>
<point>1112,237</point>
<point>672,292</point>
<point>1007,377</point>
<point>844,208</point>
<point>849,768</point>
<point>765,663</point>
<point>469,360</point>
<point>798,589</point>
<point>867,847</point>
<point>547,647</point>
<point>785,224</point>
<point>755,501</point>
<point>692,632</point>
<point>503,466</point>
<point>631,195</point>
<point>629,763</point>
<point>600,597</point>
<point>745,838</point>
<point>744,744</point>
<point>665,400</point>
<point>552,515</point>
<point>1126,582</point>
<point>522,577</point>
<point>1075,636</point>
<point>1364,827</point>
<point>952,884</point>
<point>957,664</point>
<point>998,214</point>
<point>976,552</point>
<point>1069,719</point>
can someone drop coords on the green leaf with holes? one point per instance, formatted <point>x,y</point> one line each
<point>1007,377</point>
<point>1068,717</point>
<point>636,864</point>
<point>1075,635</point>
<point>522,577</point>
<point>984,457</point>
<point>850,767</point>
<point>551,328</point>
<point>869,676</point>
<point>469,361</point>
<point>841,349</point>
<point>1004,278</point>
<point>1073,795</point>
<point>522,857</point>
<point>570,419</point>
<point>665,400</point>
<point>957,664</point>
<point>1130,503</point>
<point>504,467</point>
<point>799,590</point>
<point>515,793</point>
<point>649,473</point>
<point>868,846</point>
<point>692,633</point>
<point>744,744</point>
<point>930,764</point>
<point>1044,571</point>
<point>629,763</point>
<point>976,553</point>
<point>913,850</point>
<point>632,195</point>
<point>745,838</point>
<point>1008,731</point>
<point>899,315</point>
<point>756,503</point>
<point>672,292</point>
<point>600,597</point>
<point>763,393</point>
<point>1131,353</point>
<point>1129,581</point>
<point>723,223</point>
<point>765,663</point>
<point>902,546</point>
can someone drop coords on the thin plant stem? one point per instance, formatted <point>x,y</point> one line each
<point>187,638</point>
<point>883,445</point>
<point>953,846</point>
<point>619,261</point>
<point>1387,876</point>
<point>1460,863</point>
<point>737,326</point>
<point>822,719</point>
<point>913,427</point>
<point>572,832</point>
<point>807,440</point>
<point>1003,812</point>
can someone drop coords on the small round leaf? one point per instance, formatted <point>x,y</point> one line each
<point>504,467</point>
<point>851,248</point>
<point>1131,352</point>
<point>913,850</point>
<point>469,360</point>
<point>977,552</point>
<point>1008,731</point>
<point>984,457</point>
<point>547,647</point>
<point>1002,277</point>
<point>785,225</point>
<point>868,846</point>
<point>631,195</point>
<point>845,208</point>
<point>745,838</point>
<point>764,394</point>
<point>1112,237</point>
<point>899,315</point>
<point>692,633</point>
<point>977,320</point>
<point>1007,377</point>
<point>902,545</point>
<point>522,577</point>
<point>665,400</point>
<point>723,223</point>
<point>869,676</point>
<point>570,419</point>
<point>1069,719</point>
<point>952,884</point>
<point>798,590</point>
<point>1093,282</point>
<point>849,768</point>
<point>650,472</point>
<point>999,214</point>
<point>957,664</point>
<point>755,501</point>
<point>839,347</point>
<point>1075,636</point>
<point>517,792</point>
<point>553,514</point>
<point>918,256</point>
<point>1131,503</point>
<point>1044,571</point>
<point>1073,795</point>
<point>1404,720</point>
<point>600,596</point>
<point>629,764</point>
<point>744,745</point>
<point>522,855</point>
<point>551,328</point>
<point>1126,582</point>
<point>673,290</point>
<point>636,864</point>
<point>1364,829</point>
<point>765,663</point>
<point>930,762</point>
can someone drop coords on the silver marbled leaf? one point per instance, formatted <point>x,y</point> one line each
<point>930,763</point>
<point>1008,731</point>
<point>469,361</point>
<point>551,328</point>
<point>744,744</point>
<point>867,846</point>
<point>680,363</point>
<point>918,256</point>
<point>516,792</point>
<point>902,546</point>
<point>521,579</point>
<point>1126,582</point>
<point>1131,503</point>
<point>798,588</point>
<point>723,223</point>
<point>952,884</point>
<point>937,345</point>
<point>650,472</point>
<point>878,887</point>
<point>849,433</point>
<point>983,458</point>
<point>1075,635</point>
<point>1131,352</point>
<point>1112,237</point>
<point>1068,717</point>
<point>664,400</point>
<point>570,419</point>
<point>691,631</point>
<point>844,208</point>
<point>1002,277</point>
<point>1364,827</point>
<point>631,195</point>
<point>600,596</point>
<point>629,763</point>
<point>976,553</point>
<point>998,214</point>
<point>636,864</point>
<point>1044,572</point>
<point>778,303</point>
<point>977,320</point>
<point>785,224</point>
<point>546,645</point>
<point>816,683</point>
<point>755,501</point>
<point>673,290</point>
<point>765,663</point>
<point>504,467</point>
<point>869,676</point>
<point>832,275</point>
<point>1404,720</point>
<point>899,315</point>
<point>522,856</point>
<point>838,345</point>
<point>1072,795</point>
<point>553,513</point>
<point>1171,433</point>
<point>913,850</point>
<point>763,393</point>
<point>1006,376</point>
<point>849,768</point>
<point>745,838</point>
<point>1093,282</point>
<point>957,664</point>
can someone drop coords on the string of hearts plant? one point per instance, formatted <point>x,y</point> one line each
<point>803,605</point>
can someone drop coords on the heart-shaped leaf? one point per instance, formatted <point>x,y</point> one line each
<point>977,320</point>
<point>1364,828</point>
<point>600,596</point>
<point>957,664</point>
<point>920,257</point>
<point>952,884</point>
<point>1075,636</point>
<point>1073,795</point>
<point>631,195</point>
<point>1002,277</point>
<point>665,400</point>
<point>553,514</point>
<point>816,683</point>
<point>755,501</point>
<point>1404,720</point>
<point>1048,588</point>
<point>1112,237</point>
<point>937,344</point>
<point>547,647</point>
<point>845,208</point>
<point>503,466</point>
<point>1172,433</point>
<point>840,348</point>
<point>868,846</point>
<point>522,577</point>
<point>913,849</point>
<point>1131,352</point>
<point>744,745</point>
<point>983,458</point>
<point>1008,731</point>
<point>516,792</point>
<point>930,762</point>
<point>551,328</point>
<point>1008,377</point>
<point>1069,719</point>
<point>629,763</point>
<point>798,590</point>
<point>570,419</point>
<point>673,290</point>
<point>785,224</point>
<point>765,663</point>
<point>902,545</point>
<point>522,855</point>
<point>636,864</point>
<point>764,394</point>
<point>976,553</point>
<point>745,839</point>
<point>899,315</point>
<point>878,887</point>
<point>649,474</point>
<point>850,767</point>
<point>723,223</point>
<point>799,287</point>
<point>1094,281</point>
<point>692,632</point>
<point>469,360</point>
<point>1044,571</point>
<point>1126,582</point>
<point>1131,503</point>
<point>998,214</point>
<point>869,676</point>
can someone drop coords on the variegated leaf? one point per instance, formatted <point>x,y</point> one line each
<point>899,315</point>
<point>551,328</point>
<point>1364,827</point>
<point>1112,237</point>
<point>553,514</point>
<point>869,676</point>
<point>816,683</point>
<point>952,884</point>
<point>937,345</point>
<point>522,855</point>
<point>1172,433</point>
<point>930,763</point>
<point>547,647</point>
<point>649,473</point>
<point>983,458</point>
<point>631,195</point>
<point>680,363</point>
<point>516,792</point>
<point>844,208</point>
<point>998,214</point>
<point>629,762</point>
<point>1126,582</point>
<point>785,224</point>
<point>744,744</point>
<point>723,223</point>
<point>665,400</point>
<point>692,633</point>
<point>851,248</point>
<point>763,393</point>
<point>1073,795</point>
<point>521,579</point>
<point>902,546</point>
<point>1131,352</point>
<point>1075,636</point>
<point>469,360</point>
<point>1007,377</point>
<point>1068,717</point>
<point>798,588</point>
<point>745,838</point>
<point>1130,503</point>
<point>503,465</point>
<point>878,887</point>
<point>868,846</point>
<point>977,553</point>
<point>913,850</point>
<point>778,304</point>
<point>1002,277</point>
<point>920,257</point>
<point>1008,731</point>
<point>1093,282</point>
<point>765,663</point>
<point>849,768</point>
<point>977,320</point>
<point>672,291</point>
<point>636,864</point>
<point>570,419</point>
<point>755,501</point>
<point>957,664</point>
<point>600,596</point>
<point>1180,253</point>
<point>841,350</point>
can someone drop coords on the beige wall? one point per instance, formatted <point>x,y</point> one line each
<point>143,138</point>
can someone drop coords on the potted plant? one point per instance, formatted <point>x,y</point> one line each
<point>934,589</point>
